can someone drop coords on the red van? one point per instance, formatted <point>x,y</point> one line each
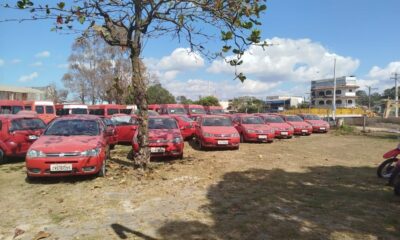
<point>11,106</point>
<point>173,109</point>
<point>107,110</point>
<point>154,107</point>
<point>214,110</point>
<point>194,110</point>
<point>67,109</point>
<point>45,109</point>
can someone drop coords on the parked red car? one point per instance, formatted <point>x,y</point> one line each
<point>173,109</point>
<point>316,122</point>
<point>217,132</point>
<point>214,110</point>
<point>165,138</point>
<point>282,129</point>
<point>253,129</point>
<point>126,126</point>
<point>71,145</point>
<point>299,125</point>
<point>194,110</point>
<point>186,125</point>
<point>17,133</point>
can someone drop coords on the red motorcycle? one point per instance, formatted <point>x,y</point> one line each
<point>386,168</point>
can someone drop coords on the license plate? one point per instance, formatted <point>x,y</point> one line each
<point>304,131</point>
<point>222,142</point>
<point>322,128</point>
<point>157,149</point>
<point>284,133</point>
<point>262,136</point>
<point>60,167</point>
<point>32,137</point>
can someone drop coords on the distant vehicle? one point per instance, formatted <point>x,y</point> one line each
<point>282,128</point>
<point>186,125</point>
<point>154,107</point>
<point>11,106</point>
<point>299,125</point>
<point>71,145</point>
<point>387,167</point>
<point>214,131</point>
<point>149,112</point>
<point>68,109</point>
<point>214,110</point>
<point>17,133</point>
<point>107,110</point>
<point>316,122</point>
<point>45,109</point>
<point>126,126</point>
<point>252,128</point>
<point>172,109</point>
<point>165,138</point>
<point>194,110</point>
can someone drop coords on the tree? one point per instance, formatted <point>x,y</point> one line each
<point>208,101</point>
<point>156,94</point>
<point>56,95</point>
<point>247,104</point>
<point>126,23</point>
<point>363,98</point>
<point>184,100</point>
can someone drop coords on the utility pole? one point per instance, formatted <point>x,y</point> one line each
<point>369,96</point>
<point>334,91</point>
<point>396,94</point>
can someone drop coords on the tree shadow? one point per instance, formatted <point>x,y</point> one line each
<point>322,203</point>
<point>124,232</point>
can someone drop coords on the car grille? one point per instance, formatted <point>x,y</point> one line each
<point>222,135</point>
<point>158,141</point>
<point>68,154</point>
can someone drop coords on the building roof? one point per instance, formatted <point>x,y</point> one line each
<point>6,88</point>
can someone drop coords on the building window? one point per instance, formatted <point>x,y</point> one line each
<point>350,90</point>
<point>338,91</point>
<point>329,92</point>
<point>313,102</point>
<point>328,102</point>
<point>350,101</point>
<point>339,102</point>
<point>321,94</point>
<point>313,93</point>
<point>321,103</point>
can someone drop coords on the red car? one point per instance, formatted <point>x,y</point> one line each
<point>299,125</point>
<point>173,109</point>
<point>253,129</point>
<point>165,138</point>
<point>17,133</point>
<point>194,110</point>
<point>282,129</point>
<point>126,126</point>
<point>71,145</point>
<point>316,122</point>
<point>186,125</point>
<point>214,110</point>
<point>217,132</point>
<point>112,139</point>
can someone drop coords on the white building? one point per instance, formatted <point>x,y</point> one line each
<point>322,92</point>
<point>280,103</point>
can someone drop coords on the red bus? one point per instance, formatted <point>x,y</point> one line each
<point>107,110</point>
<point>11,106</point>
<point>67,109</point>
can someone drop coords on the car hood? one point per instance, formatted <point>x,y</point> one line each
<point>299,124</point>
<point>164,133</point>
<point>50,144</point>
<point>219,129</point>
<point>279,125</point>
<point>256,126</point>
<point>317,122</point>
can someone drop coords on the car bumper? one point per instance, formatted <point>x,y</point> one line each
<point>283,134</point>
<point>221,142</point>
<point>166,150</point>
<point>302,131</point>
<point>318,129</point>
<point>259,137</point>
<point>41,167</point>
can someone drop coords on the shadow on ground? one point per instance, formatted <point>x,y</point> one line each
<point>322,203</point>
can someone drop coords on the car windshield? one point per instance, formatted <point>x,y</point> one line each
<point>217,121</point>
<point>27,124</point>
<point>186,119</point>
<point>216,111</point>
<point>252,120</point>
<point>162,123</point>
<point>126,111</point>
<point>123,120</point>
<point>197,111</point>
<point>311,117</point>
<point>294,119</point>
<point>79,111</point>
<point>176,110</point>
<point>73,127</point>
<point>112,111</point>
<point>273,119</point>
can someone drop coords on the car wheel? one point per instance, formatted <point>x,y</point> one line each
<point>386,168</point>
<point>3,158</point>
<point>112,146</point>
<point>180,156</point>
<point>102,171</point>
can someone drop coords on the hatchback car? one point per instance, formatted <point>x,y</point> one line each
<point>214,131</point>
<point>71,145</point>
<point>17,133</point>
<point>318,125</point>
<point>282,129</point>
<point>299,125</point>
<point>253,129</point>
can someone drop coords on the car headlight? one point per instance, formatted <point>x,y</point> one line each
<point>91,152</point>
<point>207,134</point>
<point>35,154</point>
<point>250,131</point>
<point>177,140</point>
<point>235,135</point>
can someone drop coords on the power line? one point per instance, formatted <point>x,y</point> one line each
<point>369,95</point>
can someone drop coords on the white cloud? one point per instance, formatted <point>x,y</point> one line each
<point>15,61</point>
<point>1,62</point>
<point>27,78</point>
<point>298,60</point>
<point>181,59</point>
<point>43,54</point>
<point>37,64</point>
<point>379,77</point>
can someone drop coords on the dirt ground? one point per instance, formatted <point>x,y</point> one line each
<point>319,187</point>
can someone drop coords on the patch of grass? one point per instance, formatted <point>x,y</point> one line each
<point>345,130</point>
<point>56,217</point>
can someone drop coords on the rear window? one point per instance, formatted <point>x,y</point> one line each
<point>252,120</point>
<point>27,124</point>
<point>216,111</point>
<point>98,112</point>
<point>73,127</point>
<point>176,110</point>
<point>112,111</point>
<point>197,111</point>
<point>294,119</point>
<point>123,120</point>
<point>217,121</point>
<point>49,109</point>
<point>39,109</point>
<point>162,123</point>
<point>126,111</point>
<point>79,111</point>
<point>186,119</point>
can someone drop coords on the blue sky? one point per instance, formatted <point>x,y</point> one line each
<point>363,35</point>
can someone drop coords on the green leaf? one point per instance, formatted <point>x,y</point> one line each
<point>226,48</point>
<point>241,77</point>
<point>262,8</point>
<point>61,5</point>
<point>82,19</point>
<point>21,4</point>
<point>180,20</point>
<point>226,35</point>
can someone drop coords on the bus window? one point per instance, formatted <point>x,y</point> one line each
<point>49,109</point>
<point>28,108</point>
<point>39,109</point>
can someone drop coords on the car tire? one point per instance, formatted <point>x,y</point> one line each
<point>112,146</point>
<point>386,168</point>
<point>102,171</point>
<point>180,156</point>
<point>3,158</point>
<point>130,155</point>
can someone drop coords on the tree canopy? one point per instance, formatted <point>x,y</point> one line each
<point>156,94</point>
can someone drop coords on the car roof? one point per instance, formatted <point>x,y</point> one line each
<point>80,117</point>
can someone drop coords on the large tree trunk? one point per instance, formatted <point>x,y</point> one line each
<point>139,90</point>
